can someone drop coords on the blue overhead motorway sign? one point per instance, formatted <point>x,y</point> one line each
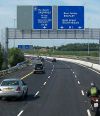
<point>42,17</point>
<point>25,47</point>
<point>70,17</point>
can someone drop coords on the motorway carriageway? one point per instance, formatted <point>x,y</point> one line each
<point>61,91</point>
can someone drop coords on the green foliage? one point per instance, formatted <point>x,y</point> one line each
<point>15,56</point>
<point>1,57</point>
<point>79,47</point>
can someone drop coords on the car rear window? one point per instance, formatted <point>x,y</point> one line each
<point>38,65</point>
<point>10,83</point>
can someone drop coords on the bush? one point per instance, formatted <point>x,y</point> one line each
<point>15,56</point>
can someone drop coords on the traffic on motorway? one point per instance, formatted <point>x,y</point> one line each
<point>63,88</point>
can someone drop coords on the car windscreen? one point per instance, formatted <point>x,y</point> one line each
<point>10,83</point>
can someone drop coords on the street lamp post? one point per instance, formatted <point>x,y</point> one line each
<point>99,47</point>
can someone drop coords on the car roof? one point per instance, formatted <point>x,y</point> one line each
<point>11,79</point>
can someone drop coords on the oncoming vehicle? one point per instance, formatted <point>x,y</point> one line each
<point>13,88</point>
<point>38,68</point>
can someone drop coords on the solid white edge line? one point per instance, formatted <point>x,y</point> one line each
<point>36,93</point>
<point>88,112</point>
<point>26,75</point>
<point>20,113</point>
<point>82,92</point>
<point>44,83</point>
<point>89,68</point>
<point>78,82</point>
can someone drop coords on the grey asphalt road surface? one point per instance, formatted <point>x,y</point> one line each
<point>61,91</point>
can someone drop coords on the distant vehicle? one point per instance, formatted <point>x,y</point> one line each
<point>39,68</point>
<point>54,60</point>
<point>13,88</point>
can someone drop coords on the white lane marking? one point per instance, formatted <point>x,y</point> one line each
<point>71,69</point>
<point>48,77</point>
<point>78,82</point>
<point>44,83</point>
<point>88,112</point>
<point>82,92</point>
<point>75,76</point>
<point>26,75</point>
<point>52,70</point>
<point>36,93</point>
<point>20,113</point>
<point>73,72</point>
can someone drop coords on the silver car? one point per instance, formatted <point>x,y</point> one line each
<point>13,88</point>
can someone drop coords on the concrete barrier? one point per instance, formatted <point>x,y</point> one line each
<point>13,69</point>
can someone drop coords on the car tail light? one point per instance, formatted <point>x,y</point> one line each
<point>18,89</point>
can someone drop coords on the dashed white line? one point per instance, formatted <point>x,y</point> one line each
<point>36,93</point>
<point>75,76</point>
<point>88,112</point>
<point>48,77</point>
<point>44,83</point>
<point>78,82</point>
<point>73,72</point>
<point>20,113</point>
<point>82,92</point>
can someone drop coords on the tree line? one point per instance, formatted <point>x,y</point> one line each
<point>79,47</point>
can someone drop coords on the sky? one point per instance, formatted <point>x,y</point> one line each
<point>8,11</point>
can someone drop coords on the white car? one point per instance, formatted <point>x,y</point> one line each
<point>13,88</point>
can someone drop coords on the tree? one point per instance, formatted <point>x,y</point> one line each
<point>1,57</point>
<point>15,56</point>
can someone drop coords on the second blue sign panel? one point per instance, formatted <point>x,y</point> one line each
<point>42,17</point>
<point>70,17</point>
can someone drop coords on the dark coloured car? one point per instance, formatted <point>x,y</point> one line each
<point>54,60</point>
<point>39,68</point>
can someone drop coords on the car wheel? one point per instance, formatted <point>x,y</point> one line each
<point>26,93</point>
<point>22,96</point>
